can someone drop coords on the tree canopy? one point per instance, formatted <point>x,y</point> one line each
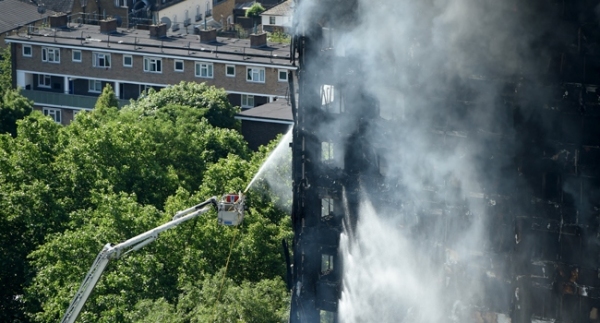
<point>255,10</point>
<point>13,106</point>
<point>113,174</point>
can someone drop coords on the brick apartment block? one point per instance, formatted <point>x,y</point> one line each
<point>63,69</point>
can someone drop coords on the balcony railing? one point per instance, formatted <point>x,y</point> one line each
<point>66,100</point>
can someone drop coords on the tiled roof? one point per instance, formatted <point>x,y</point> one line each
<point>282,9</point>
<point>15,13</point>
<point>279,110</point>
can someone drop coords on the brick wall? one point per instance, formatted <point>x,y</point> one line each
<point>136,73</point>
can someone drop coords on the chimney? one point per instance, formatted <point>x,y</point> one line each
<point>258,40</point>
<point>108,26</point>
<point>208,36</point>
<point>58,20</point>
<point>158,31</point>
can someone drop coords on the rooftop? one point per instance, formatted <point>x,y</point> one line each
<point>175,44</point>
<point>279,110</point>
<point>282,9</point>
<point>16,13</point>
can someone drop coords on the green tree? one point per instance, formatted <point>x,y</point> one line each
<point>13,106</point>
<point>112,174</point>
<point>5,70</point>
<point>107,98</point>
<point>216,299</point>
<point>255,10</point>
<point>149,154</point>
<point>29,206</point>
<point>210,101</point>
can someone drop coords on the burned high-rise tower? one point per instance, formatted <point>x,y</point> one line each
<point>472,130</point>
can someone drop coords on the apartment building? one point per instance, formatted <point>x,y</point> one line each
<point>64,68</point>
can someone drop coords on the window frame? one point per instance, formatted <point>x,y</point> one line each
<point>53,113</point>
<point>279,79</point>
<point>130,57</point>
<point>204,65</point>
<point>246,98</point>
<point>55,55</point>
<point>96,60</point>
<point>30,51</point>
<point>94,89</point>
<point>272,20</point>
<point>43,84</point>
<point>153,61</point>
<point>250,73</point>
<point>73,56</point>
<point>226,71</point>
<point>175,65</point>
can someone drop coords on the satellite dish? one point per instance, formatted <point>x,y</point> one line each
<point>41,9</point>
<point>166,21</point>
<point>119,20</point>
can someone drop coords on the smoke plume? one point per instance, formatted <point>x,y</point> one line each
<point>451,82</point>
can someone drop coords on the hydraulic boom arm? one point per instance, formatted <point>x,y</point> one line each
<point>114,252</point>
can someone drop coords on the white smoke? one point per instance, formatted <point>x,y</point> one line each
<point>412,55</point>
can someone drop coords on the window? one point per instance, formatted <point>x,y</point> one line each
<point>76,56</point>
<point>95,86</point>
<point>53,113</point>
<point>272,20</point>
<point>256,75</point>
<point>327,94</point>
<point>326,263</point>
<point>282,76</point>
<point>127,61</point>
<point>247,101</point>
<point>178,65</point>
<point>153,65</point>
<point>26,50</point>
<point>326,207</point>
<point>204,70</point>
<point>44,80</point>
<point>121,3</point>
<point>326,151</point>
<point>50,55</point>
<point>101,60</point>
<point>230,70</point>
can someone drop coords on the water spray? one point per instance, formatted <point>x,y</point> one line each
<point>274,159</point>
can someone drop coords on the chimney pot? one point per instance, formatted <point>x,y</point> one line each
<point>158,31</point>
<point>108,26</point>
<point>58,20</point>
<point>208,36</point>
<point>258,40</point>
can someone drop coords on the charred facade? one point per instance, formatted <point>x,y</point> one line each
<point>531,136</point>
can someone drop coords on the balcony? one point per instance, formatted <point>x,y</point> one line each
<point>64,100</point>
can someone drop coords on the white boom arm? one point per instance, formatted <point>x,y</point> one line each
<point>114,252</point>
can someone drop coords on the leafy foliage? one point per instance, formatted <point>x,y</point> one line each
<point>5,70</point>
<point>280,37</point>
<point>107,98</point>
<point>13,106</point>
<point>113,174</point>
<point>210,101</point>
<point>255,10</point>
